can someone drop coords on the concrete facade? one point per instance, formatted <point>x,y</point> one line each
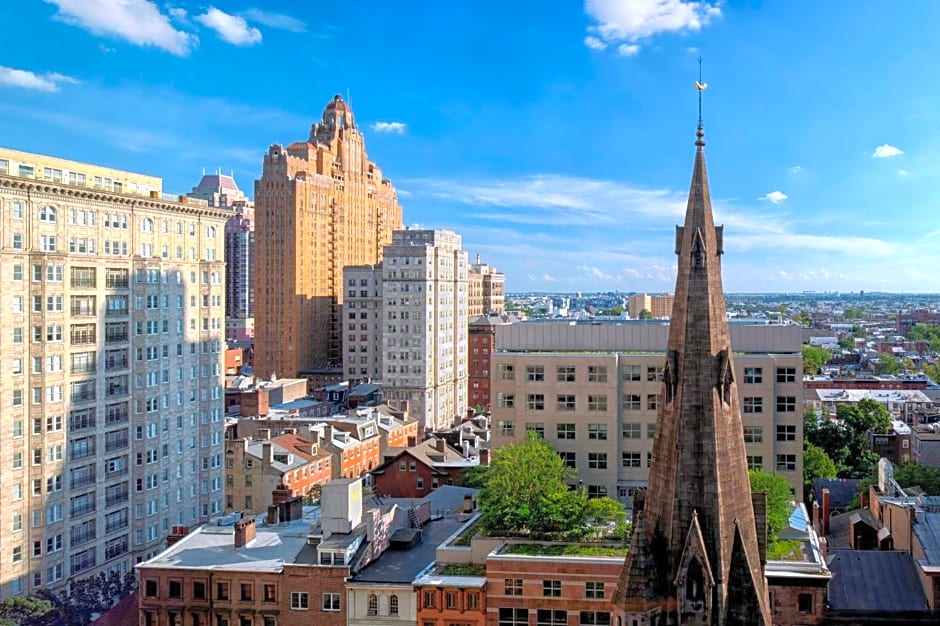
<point>599,408</point>
<point>112,315</point>
<point>320,205</point>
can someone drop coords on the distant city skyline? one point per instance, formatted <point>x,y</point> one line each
<point>555,138</point>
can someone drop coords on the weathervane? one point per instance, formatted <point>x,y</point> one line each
<point>700,86</point>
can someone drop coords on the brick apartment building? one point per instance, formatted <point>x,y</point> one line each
<point>482,344</point>
<point>416,471</point>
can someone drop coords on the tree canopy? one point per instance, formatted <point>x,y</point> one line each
<point>526,491</point>
<point>845,440</point>
<point>923,332</point>
<point>779,501</point>
<point>816,464</point>
<point>645,315</point>
<point>814,358</point>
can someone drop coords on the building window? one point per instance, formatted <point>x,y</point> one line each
<point>506,371</point>
<point>299,600</point>
<point>594,618</point>
<point>565,430</point>
<point>270,593</point>
<point>450,600</point>
<point>597,373</point>
<point>597,432</point>
<point>569,459</point>
<point>652,401</point>
<point>786,462</point>
<point>247,592</point>
<point>535,373</point>
<point>199,590</point>
<point>753,375</point>
<point>551,617</point>
<point>597,460</point>
<point>505,400</point>
<point>429,599</point>
<point>594,590</point>
<point>755,462</point>
<point>631,459</point>
<point>565,373</point>
<point>393,605</point>
<point>597,403</point>
<point>535,402</point>
<point>221,591</point>
<point>565,402</point>
<point>150,589</point>
<point>512,587</point>
<point>513,617</point>
<point>786,374</point>
<point>47,214</point>
<point>176,589</point>
<point>551,588</point>
<point>631,402</point>
<point>651,430</point>
<point>753,434</point>
<point>506,428</point>
<point>654,374</point>
<point>786,432</point>
<point>536,427</point>
<point>753,405</point>
<point>632,373</point>
<point>786,404</point>
<point>805,601</point>
<point>373,608</point>
<point>631,430</point>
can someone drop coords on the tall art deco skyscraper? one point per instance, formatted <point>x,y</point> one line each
<point>320,205</point>
<point>694,557</point>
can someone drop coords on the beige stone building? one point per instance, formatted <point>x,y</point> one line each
<point>593,392</point>
<point>486,289</point>
<point>111,348</point>
<point>406,324</point>
<point>659,305</point>
<point>320,205</point>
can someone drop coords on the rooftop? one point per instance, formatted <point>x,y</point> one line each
<point>212,546</point>
<point>867,581</point>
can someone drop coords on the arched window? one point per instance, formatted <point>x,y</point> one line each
<point>146,225</point>
<point>373,604</point>
<point>393,605</point>
<point>47,214</point>
<point>210,232</point>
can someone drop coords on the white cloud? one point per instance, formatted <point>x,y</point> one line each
<point>775,196</point>
<point>548,278</point>
<point>632,272</point>
<point>232,28</point>
<point>796,169</point>
<point>29,80</point>
<point>396,128</point>
<point>634,20</point>
<point>179,14</point>
<point>595,272</point>
<point>885,151</point>
<point>627,49</point>
<point>275,20</point>
<point>594,43</point>
<point>137,21</point>
<point>903,173</point>
<point>692,50</point>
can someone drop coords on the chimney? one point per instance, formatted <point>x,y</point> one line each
<point>826,511</point>
<point>412,441</point>
<point>264,433</point>
<point>272,515</point>
<point>484,456</point>
<point>328,433</point>
<point>440,445</point>
<point>176,533</point>
<point>244,531</point>
<point>468,503</point>
<point>280,493</point>
<point>266,454</point>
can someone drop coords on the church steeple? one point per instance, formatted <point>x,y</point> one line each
<point>694,557</point>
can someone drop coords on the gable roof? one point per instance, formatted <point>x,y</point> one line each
<point>874,581</point>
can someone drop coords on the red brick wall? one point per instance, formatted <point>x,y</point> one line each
<point>785,603</point>
<point>440,615</point>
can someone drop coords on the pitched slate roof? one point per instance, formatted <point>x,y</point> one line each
<point>874,581</point>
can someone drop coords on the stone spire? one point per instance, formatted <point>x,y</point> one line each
<point>694,557</point>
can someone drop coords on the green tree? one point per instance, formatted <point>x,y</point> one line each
<point>930,334</point>
<point>933,371</point>
<point>845,440</point>
<point>526,491</point>
<point>853,313</point>
<point>914,474</point>
<point>803,318</point>
<point>847,342</point>
<point>779,501</point>
<point>645,315</point>
<point>816,464</point>
<point>814,358</point>
<point>474,477</point>
<point>23,610</point>
<point>887,364</point>
<point>865,415</point>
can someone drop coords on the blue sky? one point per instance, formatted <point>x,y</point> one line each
<point>555,136</point>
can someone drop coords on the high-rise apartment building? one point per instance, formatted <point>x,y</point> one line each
<point>320,205</point>
<point>593,392</point>
<point>111,346</point>
<point>406,324</point>
<point>220,190</point>
<point>486,290</point>
<point>658,305</point>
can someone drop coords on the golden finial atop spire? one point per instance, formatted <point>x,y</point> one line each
<point>700,86</point>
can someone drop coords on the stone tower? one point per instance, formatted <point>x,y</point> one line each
<point>695,555</point>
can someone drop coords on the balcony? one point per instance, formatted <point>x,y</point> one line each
<point>83,481</point>
<point>84,368</point>
<point>115,336</point>
<point>111,500</point>
<point>84,283</point>
<point>116,282</point>
<point>83,537</point>
<point>116,362</point>
<point>116,443</point>
<point>82,509</point>
<point>85,395</point>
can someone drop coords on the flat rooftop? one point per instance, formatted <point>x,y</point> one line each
<point>212,546</point>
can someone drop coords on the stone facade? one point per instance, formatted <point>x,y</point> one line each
<point>694,555</point>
